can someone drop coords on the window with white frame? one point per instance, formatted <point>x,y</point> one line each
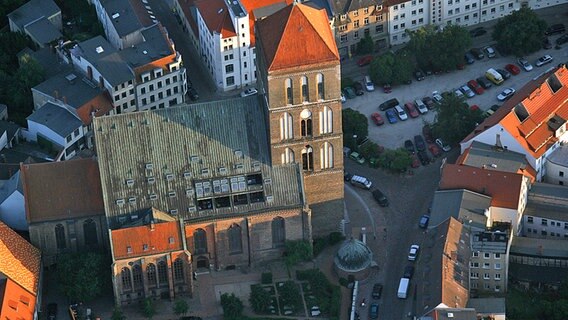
<point>288,156</point>
<point>497,266</point>
<point>326,120</point>
<point>286,127</point>
<point>289,91</point>
<point>326,155</point>
<point>320,86</point>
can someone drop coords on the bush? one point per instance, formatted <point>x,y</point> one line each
<point>297,251</point>
<point>266,278</point>
<point>259,299</point>
<point>343,282</point>
<point>232,306</point>
<point>290,295</point>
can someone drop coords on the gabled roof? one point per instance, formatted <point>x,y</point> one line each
<point>146,240</point>
<point>56,118</point>
<point>216,17</point>
<point>10,186</point>
<point>62,190</point>
<point>527,115</point>
<point>466,206</point>
<point>127,16</point>
<point>20,260</point>
<point>33,10</point>
<point>10,128</point>
<point>296,36</point>
<point>503,187</point>
<point>251,6</point>
<point>43,32</point>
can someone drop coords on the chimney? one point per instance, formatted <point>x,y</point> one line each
<point>65,99</point>
<point>498,141</point>
<point>56,94</point>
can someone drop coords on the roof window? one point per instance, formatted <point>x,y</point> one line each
<point>554,83</point>
<point>120,202</point>
<point>128,249</point>
<point>130,182</point>
<point>169,177</point>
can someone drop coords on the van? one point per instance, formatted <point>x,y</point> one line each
<point>494,76</point>
<point>361,182</point>
<point>401,113</point>
<point>369,86</point>
<point>403,288</point>
<point>380,198</point>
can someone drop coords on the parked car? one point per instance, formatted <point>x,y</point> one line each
<point>477,53</point>
<point>415,161</point>
<point>524,64</point>
<point>458,93</point>
<point>419,143</point>
<point>506,94</point>
<point>543,60</point>
<point>413,252</point>
<point>491,110</point>
<point>391,103</point>
<point>477,32</point>
<point>489,52</point>
<point>377,119</point>
<point>474,107</point>
<point>484,83</point>
<point>409,146</point>
<point>380,198</point>
<point>387,88</point>
<point>427,133</point>
<point>369,86</point>
<point>374,311</point>
<point>555,29</point>
<point>411,109</point>
<point>562,40</point>
<point>442,145</point>
<point>434,150</point>
<point>467,91</point>
<point>315,311</point>
<point>249,92</point>
<point>504,73</point>
<point>358,88</point>
<point>422,108</point>
<point>424,157</point>
<point>400,113</point>
<point>546,44</point>
<point>418,75</point>
<point>513,69</point>
<point>377,291</point>
<point>437,96</point>
<point>347,176</point>
<point>349,92</point>
<point>391,116</point>
<point>408,272</point>
<point>423,223</point>
<point>357,157</point>
<point>428,102</point>
<point>475,87</point>
<point>469,58</point>
<point>366,60</point>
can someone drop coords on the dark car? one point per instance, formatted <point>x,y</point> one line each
<point>419,143</point>
<point>469,58</point>
<point>349,92</point>
<point>513,69</point>
<point>387,88</point>
<point>364,61</point>
<point>477,32</point>
<point>562,40</point>
<point>546,44</point>
<point>555,29</point>
<point>374,311</point>
<point>418,75</point>
<point>424,157</point>
<point>391,116</point>
<point>429,102</point>
<point>193,95</point>
<point>484,83</point>
<point>477,53</point>
<point>377,291</point>
<point>423,223</point>
<point>408,272</point>
<point>52,311</point>
<point>358,88</point>
<point>427,132</point>
<point>504,73</point>
<point>409,146</point>
<point>389,104</point>
<point>380,198</point>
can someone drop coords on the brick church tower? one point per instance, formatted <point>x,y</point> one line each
<point>299,71</point>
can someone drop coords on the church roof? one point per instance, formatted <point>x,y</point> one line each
<point>353,256</point>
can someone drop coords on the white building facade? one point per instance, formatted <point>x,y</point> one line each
<point>406,15</point>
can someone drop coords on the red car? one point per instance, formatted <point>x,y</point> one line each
<point>415,161</point>
<point>435,150</point>
<point>364,61</point>
<point>513,69</point>
<point>377,119</point>
<point>411,109</point>
<point>387,88</point>
<point>474,107</point>
<point>475,87</point>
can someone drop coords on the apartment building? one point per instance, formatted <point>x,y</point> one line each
<point>557,166</point>
<point>495,9</point>
<point>355,20</point>
<point>546,214</point>
<point>406,15</point>
<point>489,260</point>
<point>539,4</point>
<point>460,12</point>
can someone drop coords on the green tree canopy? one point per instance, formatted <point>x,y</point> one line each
<point>455,120</point>
<point>519,33</point>
<point>439,50</point>
<point>232,306</point>
<point>395,160</point>
<point>148,308</point>
<point>82,276</point>
<point>259,299</point>
<point>391,68</point>
<point>297,251</point>
<point>181,307</point>
<point>366,45</point>
<point>354,123</point>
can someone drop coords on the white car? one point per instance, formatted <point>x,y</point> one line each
<point>458,93</point>
<point>249,92</point>
<point>442,145</point>
<point>369,86</point>
<point>413,253</point>
<point>543,60</point>
<point>489,51</point>
<point>525,64</point>
<point>315,311</point>
<point>422,108</point>
<point>437,96</point>
<point>467,91</point>
<point>506,94</point>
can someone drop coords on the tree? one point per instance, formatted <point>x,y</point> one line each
<point>148,309</point>
<point>519,33</point>
<point>392,69</point>
<point>290,295</point>
<point>232,306</point>
<point>366,45</point>
<point>395,160</point>
<point>439,49</point>
<point>455,120</point>
<point>117,314</point>
<point>259,299</point>
<point>181,307</point>
<point>82,275</point>
<point>354,123</point>
<point>297,251</point>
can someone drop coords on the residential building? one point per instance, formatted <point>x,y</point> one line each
<point>299,71</point>
<point>488,308</point>
<point>21,277</point>
<point>186,12</point>
<point>557,166</point>
<point>468,207</point>
<point>12,211</point>
<point>150,261</point>
<point>489,261</point>
<point>459,12</point>
<point>40,20</point>
<point>495,9</point>
<point>546,214</point>
<point>532,122</point>
<point>9,134</point>
<point>354,20</point>
<point>73,220</point>
<point>539,4</point>
<point>406,15</point>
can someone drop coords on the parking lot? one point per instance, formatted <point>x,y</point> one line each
<point>393,135</point>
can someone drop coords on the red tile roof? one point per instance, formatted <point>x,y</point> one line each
<point>20,261</point>
<point>251,5</point>
<point>13,295</point>
<point>100,105</point>
<point>504,188</point>
<point>295,36</point>
<point>216,16</point>
<point>146,240</point>
<point>62,190</point>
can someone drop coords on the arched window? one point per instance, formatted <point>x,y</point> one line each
<point>321,93</point>
<point>90,233</point>
<point>288,156</point>
<point>60,236</point>
<point>278,232</point>
<point>151,275</point>
<point>125,277</point>
<point>235,239</point>
<point>289,91</point>
<point>326,120</point>
<point>306,123</point>
<point>137,277</point>
<point>162,273</point>
<point>178,271</point>
<point>307,159</point>
<point>305,91</point>
<point>326,155</point>
<point>200,241</point>
<point>286,128</point>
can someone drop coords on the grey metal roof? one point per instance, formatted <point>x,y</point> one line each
<point>184,148</point>
<point>57,118</point>
<point>106,59</point>
<point>71,85</point>
<point>485,156</point>
<point>125,19</point>
<point>33,10</point>
<point>535,247</point>
<point>490,241</point>
<point>494,306</point>
<point>10,128</point>
<point>559,156</point>
<point>43,31</point>
<point>547,201</point>
<point>464,205</point>
<point>155,46</point>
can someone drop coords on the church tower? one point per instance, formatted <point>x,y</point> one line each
<point>300,75</point>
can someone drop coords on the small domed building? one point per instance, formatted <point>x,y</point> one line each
<point>353,258</point>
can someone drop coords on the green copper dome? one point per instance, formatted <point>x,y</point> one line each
<point>353,256</point>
